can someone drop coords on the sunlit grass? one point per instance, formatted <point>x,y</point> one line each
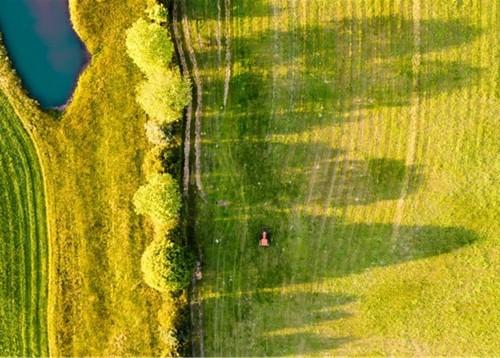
<point>23,244</point>
<point>92,156</point>
<point>379,189</point>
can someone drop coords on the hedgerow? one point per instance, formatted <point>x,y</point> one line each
<point>163,94</point>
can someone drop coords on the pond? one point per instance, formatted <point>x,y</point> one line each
<point>43,47</point>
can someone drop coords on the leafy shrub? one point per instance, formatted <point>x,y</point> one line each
<point>160,200</point>
<point>150,47</point>
<point>153,161</point>
<point>157,13</point>
<point>164,96</point>
<point>155,133</point>
<point>165,266</point>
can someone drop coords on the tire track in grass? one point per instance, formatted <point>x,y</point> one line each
<point>228,58</point>
<point>218,33</point>
<point>189,111</point>
<point>198,95</point>
<point>340,168</point>
<point>194,302</point>
<point>414,117</point>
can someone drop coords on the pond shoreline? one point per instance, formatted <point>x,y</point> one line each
<point>45,49</point>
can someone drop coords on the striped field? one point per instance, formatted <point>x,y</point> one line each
<point>364,135</point>
<point>23,242</point>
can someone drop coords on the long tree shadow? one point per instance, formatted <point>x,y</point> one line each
<point>378,85</point>
<point>292,82</point>
<point>284,323</point>
<point>356,182</point>
<point>379,37</point>
<point>350,63</point>
<point>215,10</point>
<point>342,250</point>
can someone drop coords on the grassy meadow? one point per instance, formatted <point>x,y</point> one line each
<point>364,135</point>
<point>98,303</point>
<point>23,242</point>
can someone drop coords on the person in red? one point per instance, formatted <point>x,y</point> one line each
<point>264,239</point>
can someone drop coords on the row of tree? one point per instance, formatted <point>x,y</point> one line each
<point>162,94</point>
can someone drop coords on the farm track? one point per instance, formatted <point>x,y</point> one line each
<point>329,124</point>
<point>24,242</point>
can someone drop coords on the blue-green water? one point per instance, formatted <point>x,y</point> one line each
<point>46,52</point>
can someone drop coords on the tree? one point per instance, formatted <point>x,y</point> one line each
<point>154,133</point>
<point>164,96</point>
<point>150,47</point>
<point>160,200</point>
<point>157,13</point>
<point>165,266</point>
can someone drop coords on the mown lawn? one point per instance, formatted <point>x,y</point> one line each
<point>92,155</point>
<point>23,242</point>
<point>364,135</point>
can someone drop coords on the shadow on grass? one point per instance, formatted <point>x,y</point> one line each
<point>302,253</point>
<point>197,10</point>
<point>379,37</point>
<point>353,182</point>
<point>284,323</point>
<point>388,84</point>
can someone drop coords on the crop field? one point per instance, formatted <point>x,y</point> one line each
<point>23,242</point>
<point>364,136</point>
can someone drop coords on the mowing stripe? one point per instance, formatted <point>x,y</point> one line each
<point>24,252</point>
<point>414,117</point>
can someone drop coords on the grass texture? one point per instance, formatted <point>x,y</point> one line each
<point>98,303</point>
<point>23,242</point>
<point>364,136</point>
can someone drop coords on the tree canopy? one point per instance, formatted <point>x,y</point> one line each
<point>165,266</point>
<point>150,47</point>
<point>160,200</point>
<point>164,96</point>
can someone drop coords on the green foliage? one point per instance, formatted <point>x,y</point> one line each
<point>157,13</point>
<point>165,266</point>
<point>160,200</point>
<point>150,47</point>
<point>164,96</point>
<point>153,161</point>
<point>154,133</point>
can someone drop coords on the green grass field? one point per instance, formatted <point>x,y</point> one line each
<point>98,303</point>
<point>364,135</point>
<point>23,242</point>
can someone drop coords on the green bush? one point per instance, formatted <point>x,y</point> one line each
<point>165,266</point>
<point>152,163</point>
<point>155,133</point>
<point>150,47</point>
<point>164,96</point>
<point>160,200</point>
<point>157,13</point>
